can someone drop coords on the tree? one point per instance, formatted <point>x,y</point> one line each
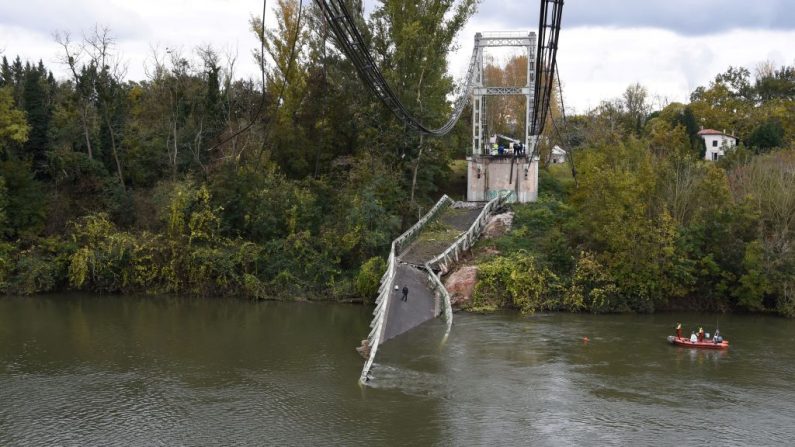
<point>39,113</point>
<point>107,73</point>
<point>775,84</point>
<point>84,89</point>
<point>412,42</point>
<point>766,136</point>
<point>636,107</point>
<point>286,84</point>
<point>14,128</point>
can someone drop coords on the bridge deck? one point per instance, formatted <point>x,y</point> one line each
<point>440,234</point>
<point>418,308</point>
<point>421,305</point>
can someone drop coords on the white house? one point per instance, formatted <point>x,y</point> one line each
<point>717,143</point>
<point>558,155</point>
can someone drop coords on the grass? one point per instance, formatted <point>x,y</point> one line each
<point>438,231</point>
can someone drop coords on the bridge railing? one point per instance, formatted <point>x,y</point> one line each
<point>438,286</point>
<point>463,243</point>
<point>385,289</point>
<point>468,239</point>
<point>411,234</point>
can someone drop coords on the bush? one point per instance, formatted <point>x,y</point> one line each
<point>369,277</point>
<point>515,281</point>
<point>6,264</point>
<point>592,288</point>
<point>42,268</point>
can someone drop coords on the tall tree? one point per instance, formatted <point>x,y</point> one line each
<point>39,113</point>
<point>14,128</point>
<point>84,86</point>
<point>413,40</point>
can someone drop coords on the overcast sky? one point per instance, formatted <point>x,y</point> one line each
<point>670,46</point>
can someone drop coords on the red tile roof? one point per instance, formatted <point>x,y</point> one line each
<point>703,132</point>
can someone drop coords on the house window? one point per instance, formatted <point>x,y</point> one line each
<point>714,156</point>
<point>714,143</point>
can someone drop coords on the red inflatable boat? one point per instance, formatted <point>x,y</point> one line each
<point>706,344</point>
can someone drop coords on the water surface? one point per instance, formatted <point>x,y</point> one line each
<point>167,371</point>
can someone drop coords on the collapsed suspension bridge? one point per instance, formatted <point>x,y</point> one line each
<point>492,180</point>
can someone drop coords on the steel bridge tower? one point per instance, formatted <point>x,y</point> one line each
<point>490,174</point>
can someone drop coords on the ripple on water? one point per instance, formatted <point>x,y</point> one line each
<point>221,373</point>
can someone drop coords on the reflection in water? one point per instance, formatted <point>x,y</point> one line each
<point>704,355</point>
<point>163,371</point>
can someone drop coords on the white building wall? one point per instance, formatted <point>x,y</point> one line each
<point>717,145</point>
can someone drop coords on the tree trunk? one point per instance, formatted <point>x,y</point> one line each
<point>85,131</point>
<point>422,140</point>
<point>416,169</point>
<point>113,148</point>
<point>174,155</point>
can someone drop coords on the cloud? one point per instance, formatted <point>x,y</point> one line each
<point>686,17</point>
<point>46,17</point>
<point>670,46</point>
<point>599,63</point>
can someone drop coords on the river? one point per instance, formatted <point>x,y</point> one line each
<point>126,371</point>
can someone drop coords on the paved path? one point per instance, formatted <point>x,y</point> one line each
<point>417,309</point>
<point>455,220</point>
<point>421,305</point>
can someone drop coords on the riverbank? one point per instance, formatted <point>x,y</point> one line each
<point>599,246</point>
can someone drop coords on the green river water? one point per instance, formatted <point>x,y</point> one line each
<point>130,371</point>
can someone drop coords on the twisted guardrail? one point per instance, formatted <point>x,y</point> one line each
<point>468,239</point>
<point>374,338</point>
<point>443,260</point>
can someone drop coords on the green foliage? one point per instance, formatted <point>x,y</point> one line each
<point>118,186</point>
<point>592,288</point>
<point>14,128</point>
<point>3,207</point>
<point>35,100</point>
<point>515,281</point>
<point>42,268</point>
<point>25,203</point>
<point>766,136</point>
<point>369,278</point>
<point>6,264</point>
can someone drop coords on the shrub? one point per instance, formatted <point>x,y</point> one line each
<point>369,277</point>
<point>515,281</point>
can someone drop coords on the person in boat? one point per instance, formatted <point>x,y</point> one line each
<point>678,330</point>
<point>693,337</point>
<point>700,334</point>
<point>717,338</point>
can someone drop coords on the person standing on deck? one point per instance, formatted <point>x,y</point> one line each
<point>700,334</point>
<point>405,296</point>
<point>678,330</point>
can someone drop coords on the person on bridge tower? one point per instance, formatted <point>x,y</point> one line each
<point>405,296</point>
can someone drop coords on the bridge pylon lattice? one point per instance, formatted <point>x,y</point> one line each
<point>514,172</point>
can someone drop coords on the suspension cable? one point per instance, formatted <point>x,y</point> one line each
<point>285,75</point>
<point>353,45</point>
<point>549,22</point>
<point>262,73</point>
<point>567,143</point>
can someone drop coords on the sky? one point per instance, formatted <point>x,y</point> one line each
<point>669,46</point>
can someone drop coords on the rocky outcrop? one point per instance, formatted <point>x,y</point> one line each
<point>461,284</point>
<point>498,225</point>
